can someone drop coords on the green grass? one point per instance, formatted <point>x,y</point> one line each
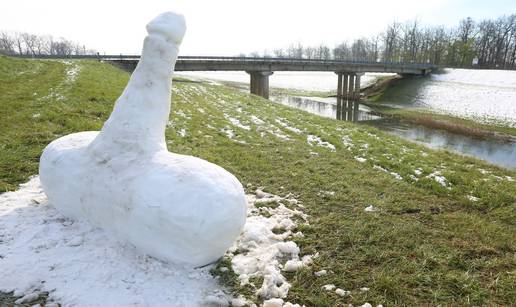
<point>426,245</point>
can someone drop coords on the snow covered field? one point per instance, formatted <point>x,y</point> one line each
<point>484,94</point>
<point>310,81</point>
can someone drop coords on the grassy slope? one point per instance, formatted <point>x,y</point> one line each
<point>426,244</point>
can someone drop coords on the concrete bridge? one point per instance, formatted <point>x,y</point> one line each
<point>259,69</point>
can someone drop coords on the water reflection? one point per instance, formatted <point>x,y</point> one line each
<point>495,151</point>
<point>329,107</point>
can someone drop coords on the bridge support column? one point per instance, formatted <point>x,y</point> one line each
<point>348,86</point>
<point>260,83</point>
<point>348,95</point>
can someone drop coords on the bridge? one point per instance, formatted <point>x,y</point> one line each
<point>259,69</point>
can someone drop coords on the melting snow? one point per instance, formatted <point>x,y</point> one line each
<point>236,122</point>
<point>438,178</point>
<point>43,251</point>
<point>315,140</point>
<point>396,175</point>
<point>283,123</point>
<point>256,120</point>
<point>229,133</point>
<point>360,159</point>
<point>260,251</point>
<point>370,208</point>
<point>182,132</point>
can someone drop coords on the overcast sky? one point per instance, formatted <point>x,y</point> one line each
<point>228,27</point>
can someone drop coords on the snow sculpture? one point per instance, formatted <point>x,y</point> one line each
<point>174,207</point>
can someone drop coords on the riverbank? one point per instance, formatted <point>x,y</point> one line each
<point>375,93</point>
<point>392,222</point>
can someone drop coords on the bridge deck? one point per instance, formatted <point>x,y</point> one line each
<point>213,63</point>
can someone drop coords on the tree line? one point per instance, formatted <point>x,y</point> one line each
<point>489,43</point>
<point>22,43</point>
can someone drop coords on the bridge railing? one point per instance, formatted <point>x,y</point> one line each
<point>249,60</point>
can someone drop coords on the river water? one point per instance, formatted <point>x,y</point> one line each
<point>483,95</point>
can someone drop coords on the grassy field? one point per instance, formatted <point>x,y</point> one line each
<point>443,232</point>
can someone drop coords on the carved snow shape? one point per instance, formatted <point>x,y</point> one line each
<point>173,207</point>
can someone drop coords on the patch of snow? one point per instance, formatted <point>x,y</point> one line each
<point>315,140</point>
<point>361,159</point>
<point>260,251</point>
<point>228,132</point>
<point>438,178</point>
<point>341,292</point>
<point>72,72</point>
<point>370,208</point>
<point>418,171</point>
<point>235,122</point>
<point>364,289</point>
<point>182,132</point>
<point>395,175</point>
<point>320,273</point>
<point>285,125</point>
<point>257,120</point>
<point>277,133</point>
<point>346,141</point>
<point>329,287</point>
<point>273,302</point>
<point>472,198</point>
<point>36,115</point>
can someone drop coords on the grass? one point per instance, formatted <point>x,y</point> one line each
<point>427,244</point>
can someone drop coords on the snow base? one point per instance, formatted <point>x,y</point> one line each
<point>80,265</point>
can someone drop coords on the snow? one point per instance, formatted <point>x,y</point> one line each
<point>182,132</point>
<point>41,252</point>
<point>173,207</point>
<point>236,122</point>
<point>260,251</point>
<point>285,125</point>
<point>472,198</point>
<point>361,159</point>
<point>320,273</point>
<point>256,120</point>
<point>228,132</point>
<point>315,140</point>
<point>312,81</point>
<point>395,175</point>
<point>437,177</point>
<point>370,208</point>
<point>341,292</point>
<point>479,94</point>
<point>328,287</point>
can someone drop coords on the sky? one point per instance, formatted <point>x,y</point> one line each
<point>230,27</point>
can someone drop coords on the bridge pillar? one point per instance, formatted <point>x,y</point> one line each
<point>260,83</point>
<point>348,86</point>
<point>348,95</point>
